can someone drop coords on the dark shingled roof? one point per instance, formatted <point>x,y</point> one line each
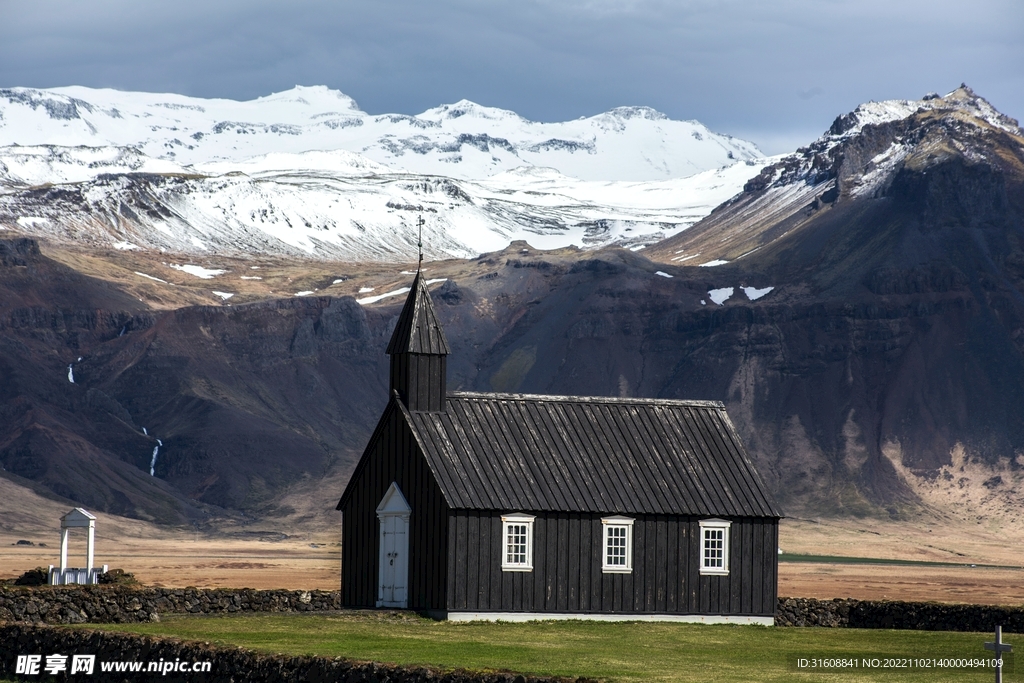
<point>418,330</point>
<point>520,452</point>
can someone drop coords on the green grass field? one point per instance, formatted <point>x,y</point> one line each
<point>609,651</point>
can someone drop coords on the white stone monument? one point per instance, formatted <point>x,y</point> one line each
<point>59,576</point>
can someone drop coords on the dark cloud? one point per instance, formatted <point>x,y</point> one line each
<point>769,71</point>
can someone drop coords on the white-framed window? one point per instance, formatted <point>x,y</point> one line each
<point>617,555</point>
<point>714,546</point>
<point>517,549</point>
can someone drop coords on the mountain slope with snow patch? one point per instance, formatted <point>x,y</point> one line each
<point>332,211</point>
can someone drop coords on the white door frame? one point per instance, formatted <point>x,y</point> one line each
<point>393,514</point>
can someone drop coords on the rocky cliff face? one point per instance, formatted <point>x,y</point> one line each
<point>181,414</point>
<point>847,404</point>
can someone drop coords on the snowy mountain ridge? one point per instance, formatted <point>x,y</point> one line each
<point>962,99</point>
<point>876,153</point>
<point>306,173</point>
<point>816,162</point>
<point>460,140</point>
<point>316,206</point>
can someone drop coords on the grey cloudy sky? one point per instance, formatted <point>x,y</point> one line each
<point>773,71</point>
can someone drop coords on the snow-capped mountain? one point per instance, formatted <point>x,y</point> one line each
<point>307,173</point>
<point>936,152</point>
<point>820,161</point>
<point>461,140</point>
<point>332,205</point>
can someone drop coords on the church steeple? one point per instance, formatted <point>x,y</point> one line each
<point>419,353</point>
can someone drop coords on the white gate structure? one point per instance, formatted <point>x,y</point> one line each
<point>77,518</point>
<point>393,513</point>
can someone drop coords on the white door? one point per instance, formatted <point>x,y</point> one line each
<point>394,560</point>
<point>393,580</point>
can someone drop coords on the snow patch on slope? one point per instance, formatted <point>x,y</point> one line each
<point>374,299</point>
<point>753,293</point>
<point>721,295</point>
<point>199,271</point>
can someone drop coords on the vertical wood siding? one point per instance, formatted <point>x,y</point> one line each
<point>394,457</point>
<point>567,574</point>
<point>420,379</point>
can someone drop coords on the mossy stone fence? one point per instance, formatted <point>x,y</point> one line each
<point>894,614</point>
<point>116,604</point>
<point>128,604</point>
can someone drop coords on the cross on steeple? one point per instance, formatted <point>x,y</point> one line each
<point>419,223</point>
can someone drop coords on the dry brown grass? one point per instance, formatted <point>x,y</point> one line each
<point>204,563</point>
<point>882,582</point>
<point>924,539</point>
<point>170,557</point>
<point>180,557</point>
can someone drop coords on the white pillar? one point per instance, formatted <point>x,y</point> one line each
<point>63,549</point>
<point>89,546</point>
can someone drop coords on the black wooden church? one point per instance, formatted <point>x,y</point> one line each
<point>517,506</point>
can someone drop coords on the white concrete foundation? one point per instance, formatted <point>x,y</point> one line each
<point>73,575</point>
<point>563,616</point>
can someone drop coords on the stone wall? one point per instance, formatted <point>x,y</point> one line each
<point>922,616</point>
<point>227,665</point>
<point>126,604</point>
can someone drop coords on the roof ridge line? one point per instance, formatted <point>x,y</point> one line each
<point>694,403</point>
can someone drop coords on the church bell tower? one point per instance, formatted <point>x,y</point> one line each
<point>419,353</point>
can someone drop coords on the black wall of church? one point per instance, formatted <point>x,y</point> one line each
<point>567,574</point>
<point>394,458</point>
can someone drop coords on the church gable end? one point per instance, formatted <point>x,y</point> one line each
<point>393,458</point>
